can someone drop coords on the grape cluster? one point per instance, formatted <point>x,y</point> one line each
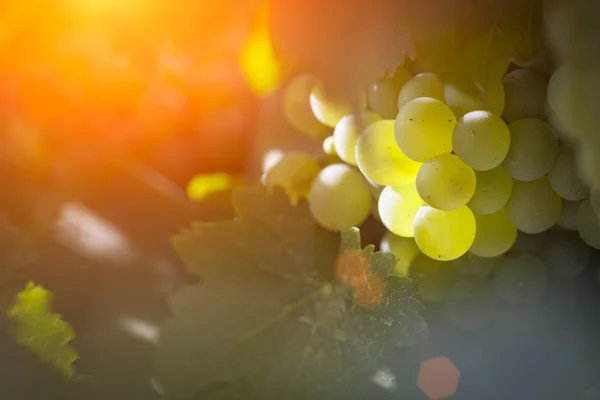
<point>461,179</point>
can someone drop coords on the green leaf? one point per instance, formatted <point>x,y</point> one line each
<point>41,331</point>
<point>265,322</point>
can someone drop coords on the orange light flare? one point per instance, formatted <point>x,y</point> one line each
<point>96,76</point>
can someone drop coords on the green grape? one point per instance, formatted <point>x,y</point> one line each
<point>475,266</point>
<point>348,130</point>
<point>587,225</point>
<point>525,95</point>
<point>424,128</point>
<point>380,159</point>
<point>382,97</point>
<point>444,235</point>
<point>446,182</point>
<point>339,198</point>
<point>398,207</point>
<point>492,191</point>
<point>521,279</point>
<point>294,173</point>
<point>435,278</point>
<point>533,149</point>
<point>595,199</point>
<point>568,215</point>
<point>405,250</point>
<point>470,305</point>
<point>533,206</point>
<point>329,146</point>
<point>564,178</point>
<point>481,139</point>
<point>566,255</point>
<point>529,243</point>
<point>329,111</point>
<point>461,102</point>
<point>426,84</point>
<point>495,234</point>
<point>560,99</point>
<point>296,106</point>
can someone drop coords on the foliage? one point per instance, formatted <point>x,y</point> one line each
<point>41,331</point>
<point>266,322</point>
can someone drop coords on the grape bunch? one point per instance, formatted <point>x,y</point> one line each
<point>464,181</point>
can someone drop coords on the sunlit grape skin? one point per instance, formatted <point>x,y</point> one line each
<point>533,206</point>
<point>398,207</point>
<point>446,182</point>
<point>339,198</point>
<point>481,139</point>
<point>444,235</point>
<point>347,131</point>
<point>294,173</point>
<point>379,158</point>
<point>424,128</point>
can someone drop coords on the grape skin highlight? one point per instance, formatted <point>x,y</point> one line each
<point>294,173</point>
<point>492,191</point>
<point>444,235</point>
<point>533,207</point>
<point>347,131</point>
<point>424,128</point>
<point>481,139</point>
<point>379,158</point>
<point>446,182</point>
<point>533,149</point>
<point>398,207</point>
<point>339,198</point>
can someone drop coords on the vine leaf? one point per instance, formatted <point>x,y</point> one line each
<point>265,320</point>
<point>41,331</point>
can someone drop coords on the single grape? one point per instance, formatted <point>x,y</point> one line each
<point>521,279</point>
<point>564,178</point>
<point>529,243</point>
<point>475,266</point>
<point>435,278</point>
<point>329,146</point>
<point>296,106</point>
<point>339,198</point>
<point>481,139</point>
<point>525,95</point>
<point>348,130</point>
<point>595,199</point>
<point>444,235</point>
<point>424,128</point>
<point>379,158</point>
<point>566,255</point>
<point>398,207</point>
<point>294,173</point>
<point>568,215</point>
<point>588,225</point>
<point>533,206</point>
<point>492,191</point>
<point>405,250</point>
<point>533,149</point>
<point>382,96</point>
<point>426,84</point>
<point>446,182</point>
<point>329,111</point>
<point>559,98</point>
<point>470,304</point>
<point>461,102</point>
<point>495,234</point>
